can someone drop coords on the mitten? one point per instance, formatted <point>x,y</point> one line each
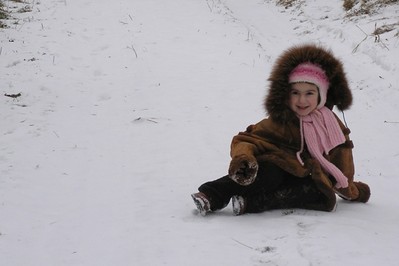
<point>243,169</point>
<point>364,192</point>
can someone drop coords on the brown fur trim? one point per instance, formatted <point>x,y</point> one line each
<point>338,94</point>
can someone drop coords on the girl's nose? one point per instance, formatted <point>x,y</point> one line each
<point>302,99</point>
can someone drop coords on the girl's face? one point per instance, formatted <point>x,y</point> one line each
<point>303,98</point>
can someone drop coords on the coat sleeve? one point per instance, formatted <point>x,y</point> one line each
<point>271,142</point>
<point>249,142</point>
<point>342,157</point>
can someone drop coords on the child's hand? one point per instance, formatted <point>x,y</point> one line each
<point>243,169</point>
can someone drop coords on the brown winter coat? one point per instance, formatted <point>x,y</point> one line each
<point>277,138</point>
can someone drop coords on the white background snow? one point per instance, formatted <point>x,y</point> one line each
<point>128,106</point>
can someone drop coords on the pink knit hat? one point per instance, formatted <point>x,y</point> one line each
<point>311,73</point>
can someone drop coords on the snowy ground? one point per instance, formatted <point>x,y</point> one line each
<point>128,107</point>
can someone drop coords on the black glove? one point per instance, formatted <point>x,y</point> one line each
<point>243,169</point>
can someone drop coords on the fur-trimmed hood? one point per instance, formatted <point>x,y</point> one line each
<point>338,94</point>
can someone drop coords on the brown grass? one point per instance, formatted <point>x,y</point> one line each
<point>385,28</point>
<point>286,3</point>
<point>3,15</point>
<point>349,4</point>
<point>366,6</point>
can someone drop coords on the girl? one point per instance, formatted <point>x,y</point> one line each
<point>301,155</point>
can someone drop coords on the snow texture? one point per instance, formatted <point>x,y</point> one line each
<point>127,106</point>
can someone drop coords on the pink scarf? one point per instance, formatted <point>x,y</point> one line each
<point>322,133</point>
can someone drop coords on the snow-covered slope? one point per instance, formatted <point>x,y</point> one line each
<point>127,107</point>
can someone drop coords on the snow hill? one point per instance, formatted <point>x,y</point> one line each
<point>127,106</point>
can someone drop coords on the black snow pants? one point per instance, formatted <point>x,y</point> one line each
<point>273,188</point>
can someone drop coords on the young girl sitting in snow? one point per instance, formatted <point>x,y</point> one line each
<point>301,155</point>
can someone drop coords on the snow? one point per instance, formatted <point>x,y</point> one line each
<point>128,107</point>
